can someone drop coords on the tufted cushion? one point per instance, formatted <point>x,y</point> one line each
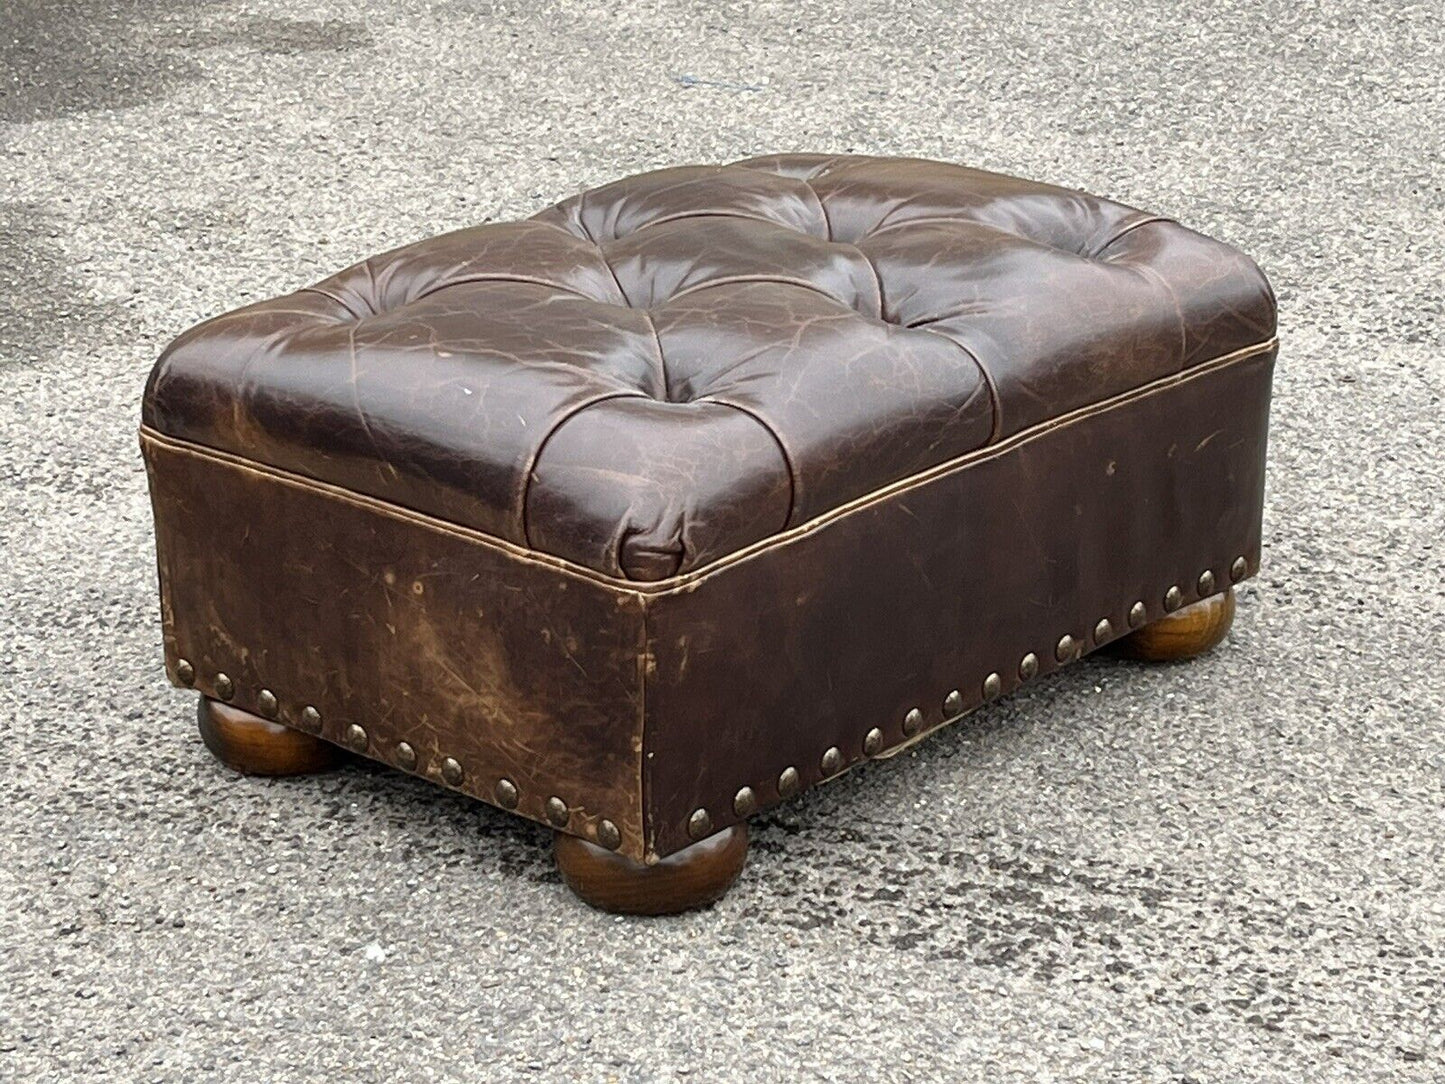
<point>658,372</point>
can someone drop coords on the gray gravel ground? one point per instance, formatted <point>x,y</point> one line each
<point>1224,871</point>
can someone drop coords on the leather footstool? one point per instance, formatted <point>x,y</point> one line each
<point>697,489</point>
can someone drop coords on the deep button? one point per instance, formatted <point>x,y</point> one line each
<point>831,384</point>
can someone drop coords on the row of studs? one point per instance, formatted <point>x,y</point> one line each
<point>404,754</point>
<point>745,802</point>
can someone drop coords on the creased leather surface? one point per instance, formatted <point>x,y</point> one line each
<point>698,474</point>
<point>419,635</point>
<point>771,660</point>
<point>732,349</point>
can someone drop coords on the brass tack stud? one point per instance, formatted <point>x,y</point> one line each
<point>1137,615</point>
<point>953,703</point>
<point>452,772</point>
<point>1066,647</point>
<point>699,825</point>
<point>873,742</point>
<point>185,672</point>
<point>356,738</point>
<point>745,802</point>
<point>832,762</point>
<point>1029,666</point>
<point>1238,569</point>
<point>266,703</point>
<point>1103,630</point>
<point>1173,598</point>
<point>225,687</point>
<point>1206,583</point>
<point>405,756</point>
<point>557,811</point>
<point>992,686</point>
<point>311,719</point>
<point>506,793</point>
<point>788,782</point>
<point>912,722</point>
<point>607,835</point>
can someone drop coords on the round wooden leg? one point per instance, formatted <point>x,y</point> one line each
<point>691,878</point>
<point>256,746</point>
<point>1183,634</point>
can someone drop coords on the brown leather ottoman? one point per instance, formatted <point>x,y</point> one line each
<point>696,489</point>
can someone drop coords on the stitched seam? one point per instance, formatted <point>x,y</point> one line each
<point>523,280</point>
<point>689,580</point>
<point>705,214</point>
<point>827,222</point>
<point>1149,221</point>
<point>827,164</point>
<point>793,482</point>
<point>375,288</point>
<point>832,164</point>
<point>582,220</point>
<point>661,357</point>
<point>613,272</point>
<point>560,229</point>
<point>531,467</point>
<point>734,280</point>
<point>646,315</point>
<point>873,267</point>
<point>1127,230</point>
<point>318,291</point>
<point>652,325</point>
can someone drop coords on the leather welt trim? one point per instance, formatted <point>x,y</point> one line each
<point>688,581</point>
<point>151,438</point>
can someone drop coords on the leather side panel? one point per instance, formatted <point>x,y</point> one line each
<point>768,662</point>
<point>513,668</point>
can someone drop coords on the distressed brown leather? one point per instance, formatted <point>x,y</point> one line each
<point>696,475</point>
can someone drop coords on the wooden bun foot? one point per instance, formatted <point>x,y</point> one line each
<point>691,878</point>
<point>1183,634</point>
<point>255,746</point>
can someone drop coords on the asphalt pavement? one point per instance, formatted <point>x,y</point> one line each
<point>1229,870</point>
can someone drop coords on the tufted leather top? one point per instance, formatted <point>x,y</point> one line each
<point>653,374</point>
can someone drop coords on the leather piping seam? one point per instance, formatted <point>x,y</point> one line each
<point>688,581</point>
